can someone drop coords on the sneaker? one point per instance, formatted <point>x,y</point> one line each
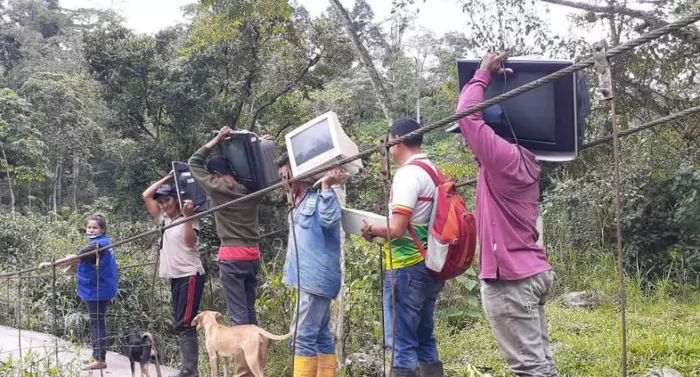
<point>96,365</point>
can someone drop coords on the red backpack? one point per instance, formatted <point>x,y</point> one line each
<point>451,231</point>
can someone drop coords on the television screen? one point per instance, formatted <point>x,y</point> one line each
<point>237,156</point>
<point>312,142</point>
<point>532,113</point>
<point>548,120</point>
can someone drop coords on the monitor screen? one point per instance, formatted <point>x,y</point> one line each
<point>236,153</point>
<point>312,142</point>
<point>532,114</point>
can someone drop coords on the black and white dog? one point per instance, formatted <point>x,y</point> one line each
<point>142,349</point>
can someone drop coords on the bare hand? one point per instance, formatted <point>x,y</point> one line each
<point>188,208</point>
<point>334,177</point>
<point>366,234</point>
<point>493,63</point>
<point>268,137</point>
<point>224,132</point>
<point>45,265</point>
<point>168,176</point>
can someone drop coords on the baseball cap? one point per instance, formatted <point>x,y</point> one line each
<point>164,190</point>
<point>219,164</point>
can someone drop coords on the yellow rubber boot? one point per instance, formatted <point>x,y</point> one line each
<point>326,365</point>
<point>305,366</point>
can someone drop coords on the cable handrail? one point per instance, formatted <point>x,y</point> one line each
<point>627,46</point>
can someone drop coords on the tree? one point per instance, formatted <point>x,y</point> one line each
<point>21,147</point>
<point>64,108</point>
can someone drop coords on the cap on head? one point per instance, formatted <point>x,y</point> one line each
<point>219,164</point>
<point>405,126</point>
<point>165,190</point>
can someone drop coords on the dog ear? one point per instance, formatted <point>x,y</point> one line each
<point>217,315</point>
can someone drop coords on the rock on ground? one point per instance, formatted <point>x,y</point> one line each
<point>664,372</point>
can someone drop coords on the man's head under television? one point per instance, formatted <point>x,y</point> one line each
<point>401,152</point>
<point>219,166</point>
<point>284,168</point>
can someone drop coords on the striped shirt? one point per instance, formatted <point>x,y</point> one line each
<point>412,195</point>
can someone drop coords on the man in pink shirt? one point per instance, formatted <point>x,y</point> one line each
<point>516,278</point>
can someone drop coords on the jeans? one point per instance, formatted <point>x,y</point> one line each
<point>240,278</point>
<point>515,310</point>
<point>98,328</point>
<point>314,335</point>
<point>416,292</point>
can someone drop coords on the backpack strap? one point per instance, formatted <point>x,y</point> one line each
<point>435,174</point>
<point>416,240</point>
<point>438,179</point>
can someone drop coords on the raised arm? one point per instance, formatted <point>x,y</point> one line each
<point>329,206</point>
<point>208,181</point>
<point>494,153</point>
<point>151,204</point>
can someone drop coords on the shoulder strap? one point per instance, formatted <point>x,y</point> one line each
<point>416,240</point>
<point>435,174</point>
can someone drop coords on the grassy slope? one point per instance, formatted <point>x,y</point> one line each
<point>660,333</point>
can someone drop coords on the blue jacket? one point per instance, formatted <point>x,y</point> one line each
<point>109,275</point>
<point>317,225</point>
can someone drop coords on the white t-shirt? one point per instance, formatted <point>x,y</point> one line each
<point>413,189</point>
<point>412,194</point>
<point>177,260</point>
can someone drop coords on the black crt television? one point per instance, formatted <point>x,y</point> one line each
<point>251,158</point>
<point>188,189</point>
<point>550,120</point>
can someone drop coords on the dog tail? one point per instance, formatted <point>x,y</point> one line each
<point>273,336</point>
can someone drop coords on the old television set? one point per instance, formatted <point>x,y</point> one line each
<point>187,187</point>
<point>251,158</point>
<point>550,120</point>
<point>320,142</point>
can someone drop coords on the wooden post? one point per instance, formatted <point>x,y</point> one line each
<point>338,320</point>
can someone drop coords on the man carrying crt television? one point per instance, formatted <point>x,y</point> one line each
<point>516,278</point>
<point>316,234</point>
<point>415,289</point>
<point>237,228</point>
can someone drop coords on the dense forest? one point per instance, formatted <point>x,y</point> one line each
<point>92,112</point>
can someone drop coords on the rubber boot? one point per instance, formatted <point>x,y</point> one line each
<point>305,366</point>
<point>431,369</point>
<point>397,372</point>
<point>189,354</point>
<point>326,365</point>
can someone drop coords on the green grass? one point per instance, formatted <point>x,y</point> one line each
<point>662,332</point>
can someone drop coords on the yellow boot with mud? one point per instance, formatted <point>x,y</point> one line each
<point>326,365</point>
<point>305,366</point>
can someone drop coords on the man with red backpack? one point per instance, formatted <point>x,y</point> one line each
<point>415,288</point>
<point>516,278</point>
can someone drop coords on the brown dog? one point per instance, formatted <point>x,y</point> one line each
<point>248,343</point>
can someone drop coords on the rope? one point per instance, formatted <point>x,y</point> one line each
<point>645,38</point>
<point>387,194</point>
<point>381,306</point>
<point>618,225</point>
<point>55,312</point>
<point>292,205</point>
<point>606,139</point>
<point>19,316</point>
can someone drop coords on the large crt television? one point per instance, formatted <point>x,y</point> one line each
<point>251,158</point>
<point>550,120</point>
<point>188,189</point>
<point>318,143</point>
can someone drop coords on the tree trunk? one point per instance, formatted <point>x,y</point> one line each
<point>76,173</point>
<point>383,96</point>
<point>29,196</point>
<point>56,190</point>
<point>9,182</point>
